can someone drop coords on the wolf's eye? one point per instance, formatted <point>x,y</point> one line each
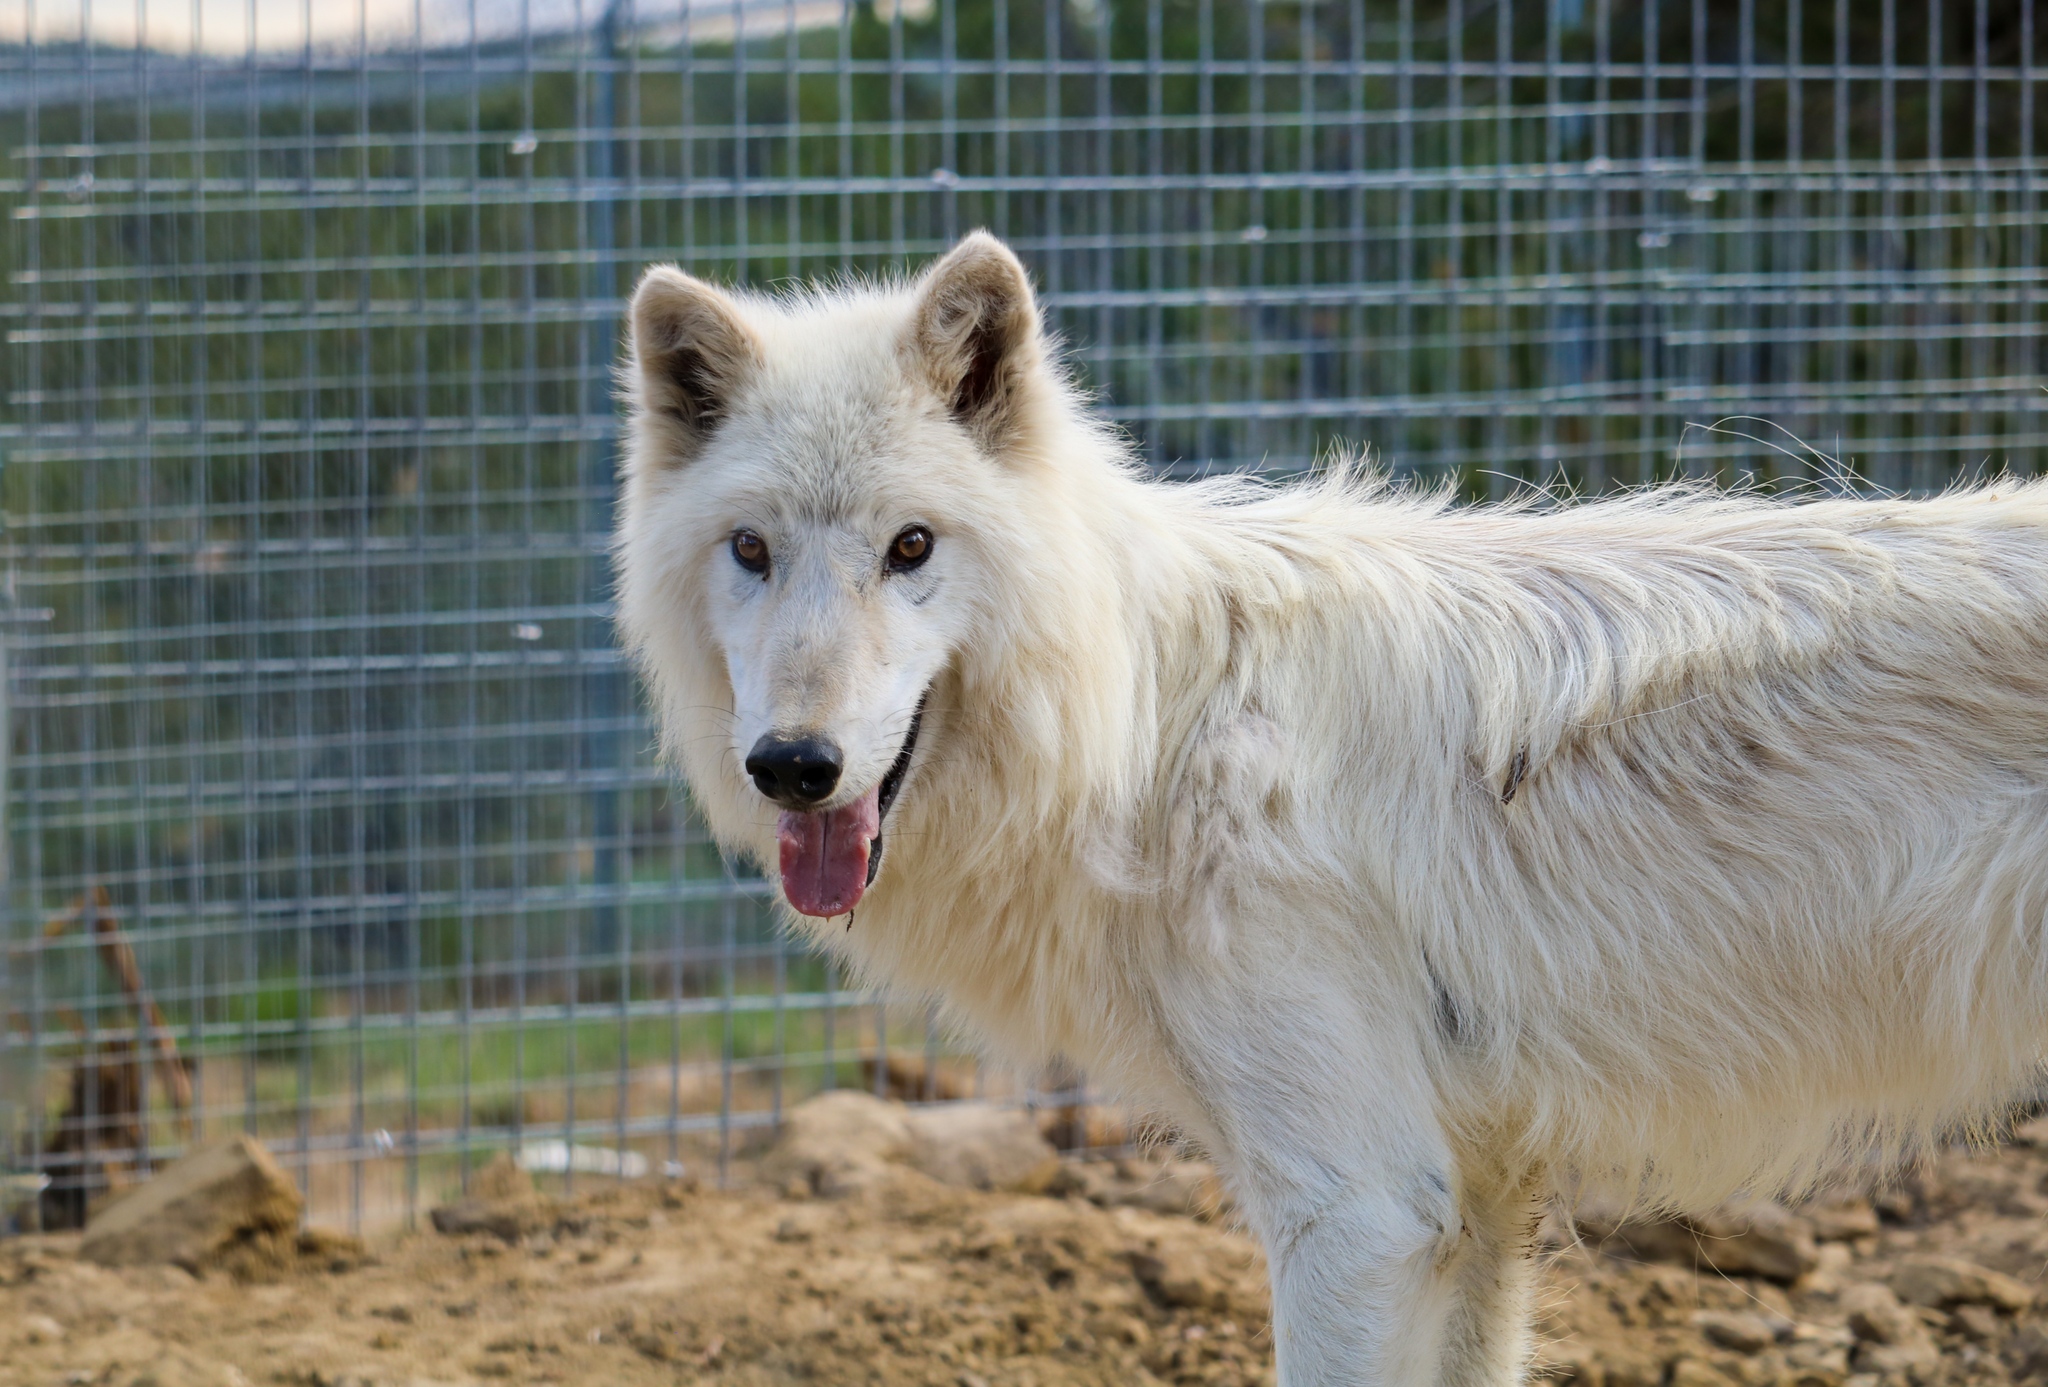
<point>750,551</point>
<point>910,549</point>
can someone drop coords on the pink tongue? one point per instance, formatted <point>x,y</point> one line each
<point>825,855</point>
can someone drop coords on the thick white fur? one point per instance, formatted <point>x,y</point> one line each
<point>1209,801</point>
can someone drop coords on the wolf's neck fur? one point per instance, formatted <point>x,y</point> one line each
<point>1042,860</point>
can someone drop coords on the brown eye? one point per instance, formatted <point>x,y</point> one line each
<point>750,551</point>
<point>910,549</point>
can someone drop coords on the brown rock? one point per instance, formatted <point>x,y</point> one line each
<point>1815,1360</point>
<point>1630,1234</point>
<point>1180,1282</point>
<point>334,1250</point>
<point>39,1329</point>
<point>1945,1281</point>
<point>1625,1365</point>
<point>2026,1354</point>
<point>839,1143</point>
<point>509,1222</point>
<point>1841,1220</point>
<point>982,1146</point>
<point>1978,1322</point>
<point>1187,1188</point>
<point>225,1190</point>
<point>502,1203</point>
<point>1736,1330</point>
<point>1693,1372</point>
<point>266,1255</point>
<point>1877,1316</point>
<point>1900,1360</point>
<point>1747,1238</point>
<point>843,1142</point>
<point>1756,1238</point>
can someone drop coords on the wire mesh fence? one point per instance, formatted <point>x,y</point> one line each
<point>330,811</point>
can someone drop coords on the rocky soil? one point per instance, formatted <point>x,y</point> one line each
<point>868,1270</point>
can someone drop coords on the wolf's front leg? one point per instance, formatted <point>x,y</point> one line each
<point>1363,1285</point>
<point>1333,1147</point>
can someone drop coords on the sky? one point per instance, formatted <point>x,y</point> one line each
<point>284,27</point>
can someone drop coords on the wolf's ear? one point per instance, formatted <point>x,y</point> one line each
<point>975,334</point>
<point>691,348</point>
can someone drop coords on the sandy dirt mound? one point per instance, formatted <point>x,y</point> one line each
<point>909,1281</point>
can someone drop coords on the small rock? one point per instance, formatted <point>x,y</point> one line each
<point>1897,1359</point>
<point>1823,1335</point>
<point>1817,1359</point>
<point>1736,1330</point>
<point>1945,1281</point>
<point>1692,1372</point>
<point>40,1329</point>
<point>194,1206</point>
<point>1915,1198</point>
<point>2026,1353</point>
<point>1179,1283</point>
<point>335,1251</point>
<point>1746,1238</point>
<point>1756,1238</point>
<point>1625,1365</point>
<point>506,1222</point>
<point>1906,1360</point>
<point>1841,1220</point>
<point>171,1368</point>
<point>982,1146</point>
<point>1896,1341</point>
<point>502,1203</point>
<point>1978,1322</point>
<point>1633,1234</point>
<point>1831,1261</point>
<point>1875,1314</point>
<point>1177,1187</point>
<point>839,1143</point>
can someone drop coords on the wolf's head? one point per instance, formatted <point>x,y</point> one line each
<point>824,505</point>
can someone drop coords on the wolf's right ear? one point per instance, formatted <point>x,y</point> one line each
<point>975,334</point>
<point>691,347</point>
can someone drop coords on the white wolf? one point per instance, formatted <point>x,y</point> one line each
<point>1413,859</point>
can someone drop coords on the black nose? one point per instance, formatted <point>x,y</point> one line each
<point>796,773</point>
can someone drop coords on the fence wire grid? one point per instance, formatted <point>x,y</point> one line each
<point>330,813</point>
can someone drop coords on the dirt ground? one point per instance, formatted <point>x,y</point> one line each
<point>915,1283</point>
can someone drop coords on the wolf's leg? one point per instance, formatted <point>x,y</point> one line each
<point>1486,1342</point>
<point>1334,1150</point>
<point>1361,1294</point>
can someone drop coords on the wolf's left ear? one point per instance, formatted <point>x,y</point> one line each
<point>975,334</point>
